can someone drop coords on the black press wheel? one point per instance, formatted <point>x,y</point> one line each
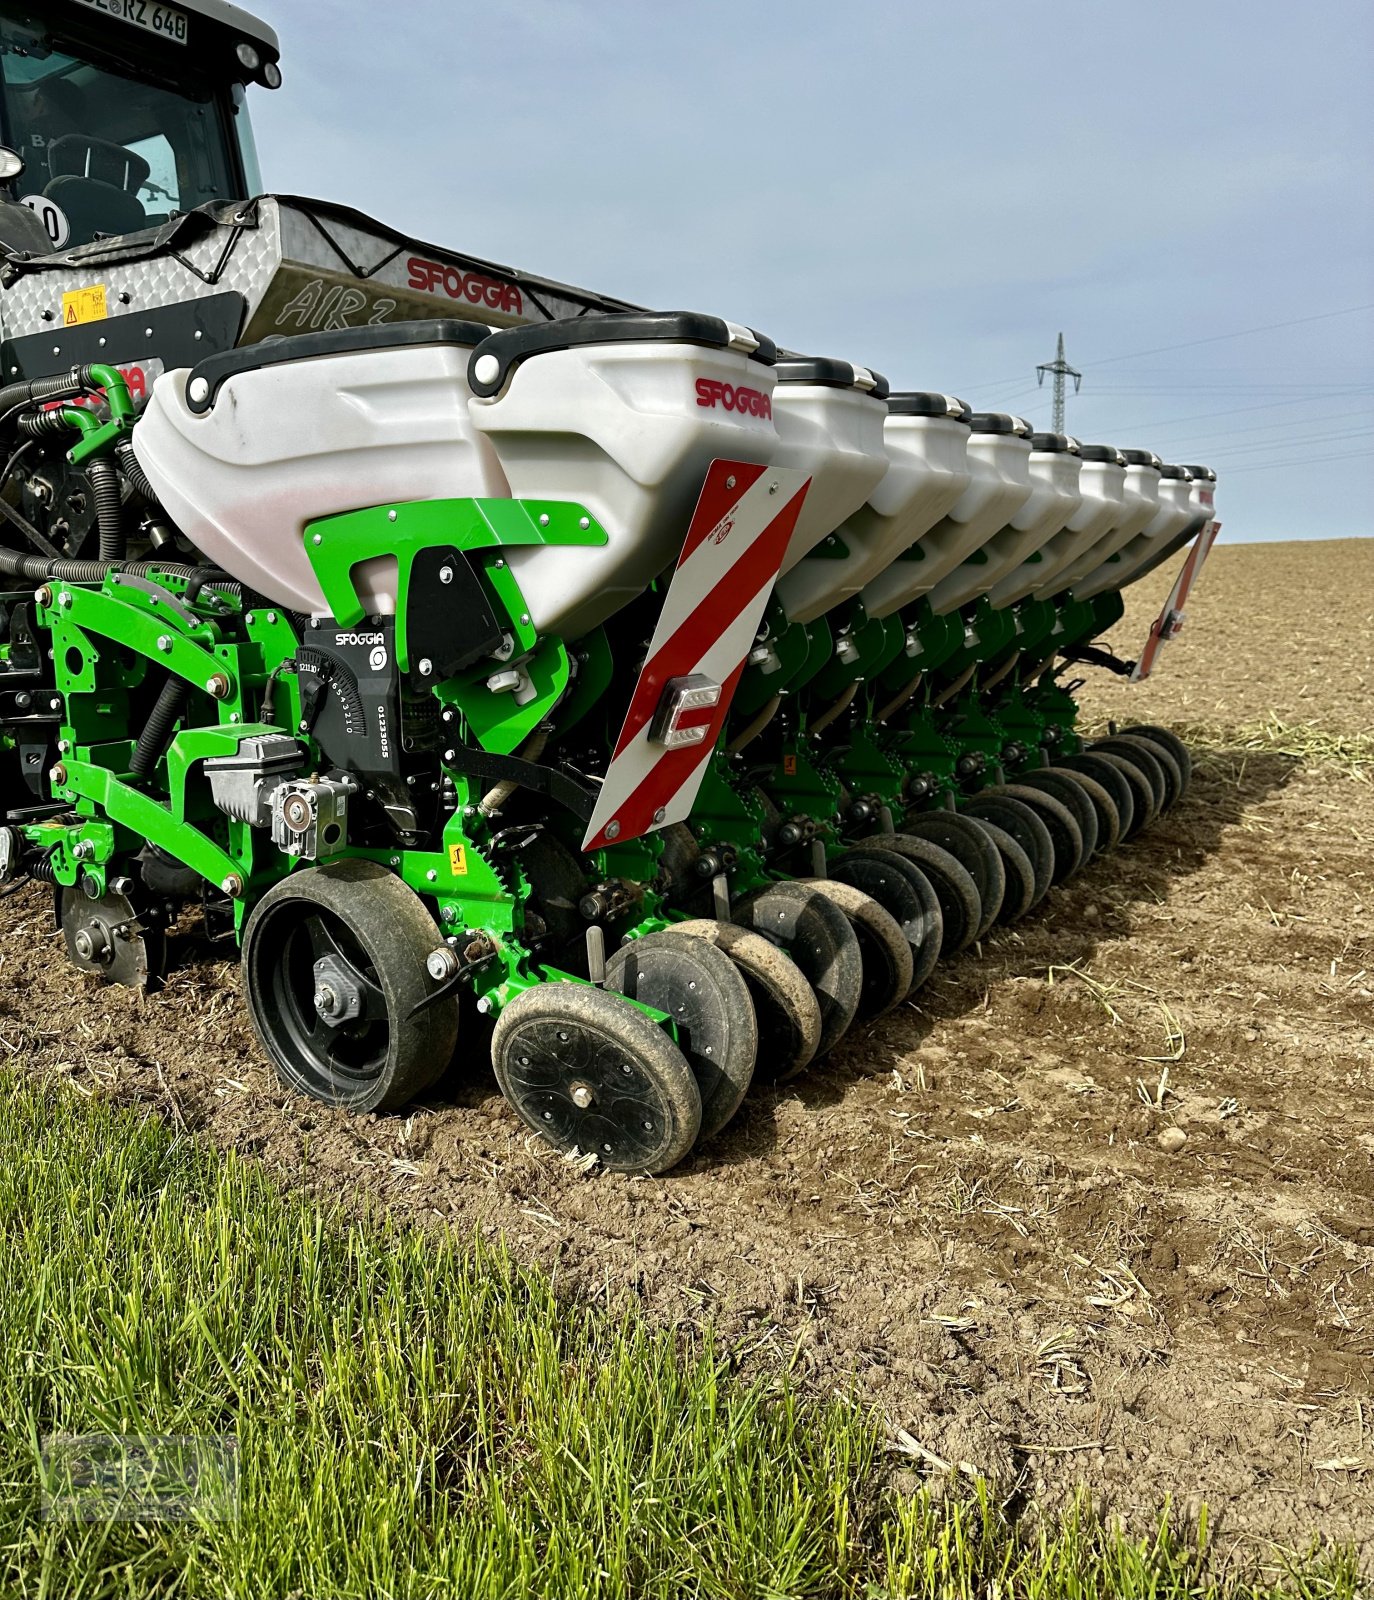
<point>817,936</point>
<point>1128,789</point>
<point>1069,854</point>
<point>1067,789</point>
<point>972,849</point>
<point>901,888</point>
<point>593,1074</point>
<point>333,966</point>
<point>961,911</point>
<point>1173,744</point>
<point>1157,765</point>
<point>1020,892</point>
<point>699,987</point>
<point>785,1005</point>
<point>1024,826</point>
<point>887,960</point>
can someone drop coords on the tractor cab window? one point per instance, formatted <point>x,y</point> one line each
<point>107,152</point>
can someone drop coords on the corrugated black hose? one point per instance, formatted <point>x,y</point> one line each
<point>159,728</point>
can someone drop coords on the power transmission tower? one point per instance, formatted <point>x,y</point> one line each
<point>1061,370</point>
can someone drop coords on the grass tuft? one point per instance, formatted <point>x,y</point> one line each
<point>418,1416</point>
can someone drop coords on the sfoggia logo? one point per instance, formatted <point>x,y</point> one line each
<point>752,402</point>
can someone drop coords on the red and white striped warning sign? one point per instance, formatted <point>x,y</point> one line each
<point>1169,623</point>
<point>711,613</point>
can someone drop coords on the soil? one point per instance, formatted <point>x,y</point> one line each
<point>1099,1209</point>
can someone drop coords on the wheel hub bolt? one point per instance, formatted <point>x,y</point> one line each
<point>326,1001</point>
<point>582,1095</point>
<point>91,943</point>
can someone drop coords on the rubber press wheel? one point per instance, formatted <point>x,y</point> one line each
<point>902,889</point>
<point>818,937</point>
<point>1020,892</point>
<point>961,911</point>
<point>699,987</point>
<point>1066,788</point>
<point>592,1073</point>
<point>1153,761</point>
<point>1069,854</point>
<point>1131,794</point>
<point>887,959</point>
<point>1103,802</point>
<point>1024,826</point>
<point>972,849</point>
<point>333,967</point>
<point>1173,744</point>
<point>1124,743</point>
<point>786,1010</point>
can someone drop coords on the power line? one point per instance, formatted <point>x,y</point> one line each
<point>1216,338</point>
<point>1243,333</point>
<point>1301,461</point>
<point>1265,427</point>
<point>1206,416</point>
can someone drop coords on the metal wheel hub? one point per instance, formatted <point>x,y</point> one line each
<point>106,936</point>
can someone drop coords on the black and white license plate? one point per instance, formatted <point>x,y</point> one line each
<point>165,21</point>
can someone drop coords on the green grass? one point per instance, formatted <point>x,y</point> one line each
<point>417,1416</point>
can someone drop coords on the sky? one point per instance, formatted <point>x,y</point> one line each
<point>933,190</point>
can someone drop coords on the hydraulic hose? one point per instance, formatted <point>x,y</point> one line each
<point>751,730</point>
<point>138,479</point>
<point>109,511</point>
<point>157,731</point>
<point>821,723</point>
<point>42,391</point>
<point>895,704</point>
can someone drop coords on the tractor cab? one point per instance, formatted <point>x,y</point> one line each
<point>117,116</point>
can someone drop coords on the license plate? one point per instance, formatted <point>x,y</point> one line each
<point>165,21</point>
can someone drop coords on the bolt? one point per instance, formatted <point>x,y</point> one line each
<point>58,775</point>
<point>391,516</point>
<point>543,519</point>
<point>83,850</point>
<point>317,538</point>
<point>64,600</point>
<point>660,814</point>
<point>395,861</point>
<point>303,725</point>
<point>584,523</point>
<point>198,391</point>
<point>218,685</point>
<point>271,616</point>
<point>233,886</point>
<point>612,830</point>
<point>164,642</point>
<point>426,666</point>
<point>498,563</point>
<point>441,963</point>
<point>483,1005</point>
<point>64,745</point>
<point>445,574</point>
<point>730,481</point>
<point>449,913</point>
<point>581,1096</point>
<point>431,876</point>
<point>525,617</point>
<point>43,596</point>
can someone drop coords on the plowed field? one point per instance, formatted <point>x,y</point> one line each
<point>966,1213</point>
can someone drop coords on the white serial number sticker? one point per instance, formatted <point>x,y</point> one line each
<point>165,21</point>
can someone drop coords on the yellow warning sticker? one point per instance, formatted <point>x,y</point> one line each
<point>458,861</point>
<point>84,305</point>
<point>789,766</point>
